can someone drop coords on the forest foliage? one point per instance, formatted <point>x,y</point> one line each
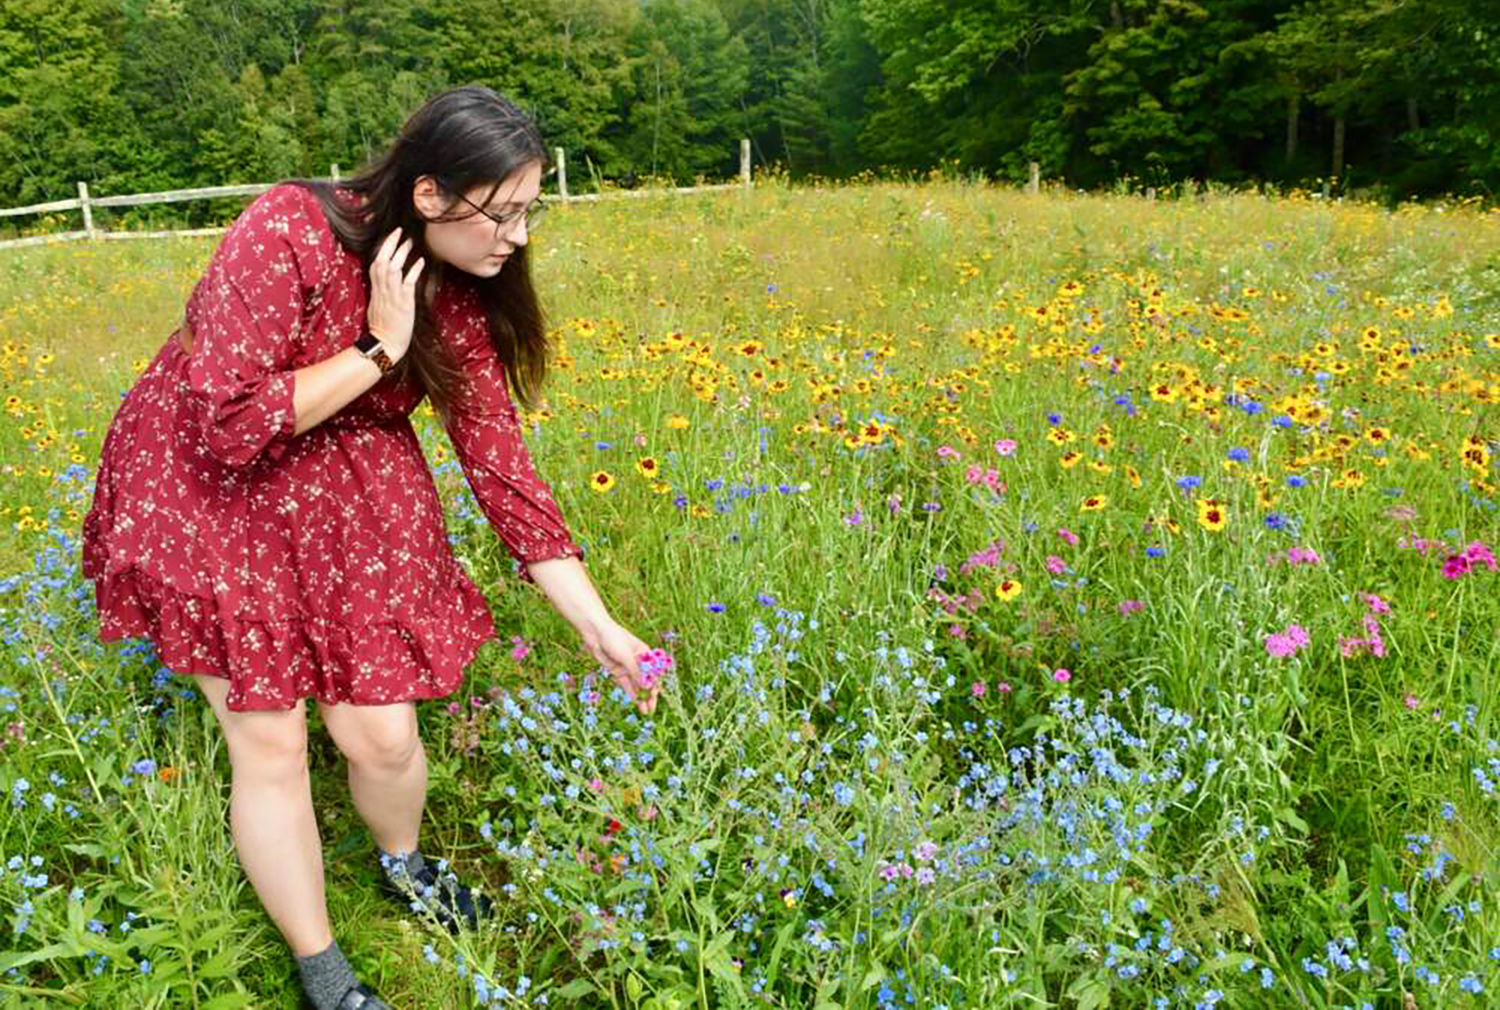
<point>1398,97</point>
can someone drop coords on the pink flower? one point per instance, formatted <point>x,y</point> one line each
<point>989,478</point>
<point>520,650</point>
<point>1287,642</point>
<point>1062,675</point>
<point>987,558</point>
<point>1069,536</point>
<point>1477,553</point>
<point>1421,544</point>
<point>1376,604</point>
<point>1006,446</point>
<point>1302,556</point>
<point>1056,565</point>
<point>957,631</point>
<point>597,785</point>
<point>1279,645</point>
<point>1412,702</point>
<point>1455,566</point>
<point>948,452</point>
<point>977,689</point>
<point>1003,687</point>
<point>1128,607</point>
<point>655,664</point>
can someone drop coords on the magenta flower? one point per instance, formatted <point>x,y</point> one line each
<point>1003,687</point>
<point>1069,536</point>
<point>655,665</point>
<point>1456,566</point>
<point>1006,446</point>
<point>1128,607</point>
<point>948,452</point>
<point>1062,675</point>
<point>1376,604</point>
<point>1287,642</point>
<point>1478,553</point>
<point>1302,556</point>
<point>519,649</point>
<point>1056,565</point>
<point>977,689</point>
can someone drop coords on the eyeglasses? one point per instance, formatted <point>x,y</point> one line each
<point>504,221</point>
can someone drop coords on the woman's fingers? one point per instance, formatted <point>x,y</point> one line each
<point>414,272</point>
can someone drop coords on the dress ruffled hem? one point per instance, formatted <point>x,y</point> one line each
<point>272,664</point>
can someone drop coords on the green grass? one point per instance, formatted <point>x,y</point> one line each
<point>810,747</point>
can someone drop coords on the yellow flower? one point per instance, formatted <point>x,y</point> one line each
<point>1094,503</point>
<point>1007,590</point>
<point>1164,393</point>
<point>677,422</point>
<point>1211,514</point>
<point>1070,459</point>
<point>601,481</point>
<point>647,467</point>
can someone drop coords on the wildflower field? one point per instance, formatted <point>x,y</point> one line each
<point>1075,601</point>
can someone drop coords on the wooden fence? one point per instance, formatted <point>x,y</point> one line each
<point>86,203</point>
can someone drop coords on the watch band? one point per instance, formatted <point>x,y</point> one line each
<point>370,346</point>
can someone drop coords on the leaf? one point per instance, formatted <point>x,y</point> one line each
<point>1289,817</point>
<point>1090,992</point>
<point>781,941</point>
<point>576,989</point>
<point>229,1001</point>
<point>16,959</point>
<point>716,958</point>
<point>221,964</point>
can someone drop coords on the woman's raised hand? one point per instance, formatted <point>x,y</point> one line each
<point>392,311</point>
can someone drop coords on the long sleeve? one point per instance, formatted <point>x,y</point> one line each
<point>245,319</point>
<point>486,436</point>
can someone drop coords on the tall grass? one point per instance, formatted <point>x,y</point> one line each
<point>985,530</point>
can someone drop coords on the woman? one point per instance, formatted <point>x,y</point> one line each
<point>263,511</point>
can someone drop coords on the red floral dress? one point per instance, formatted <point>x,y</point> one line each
<point>312,565</point>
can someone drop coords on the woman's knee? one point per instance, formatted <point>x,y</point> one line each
<point>269,743</point>
<point>383,736</point>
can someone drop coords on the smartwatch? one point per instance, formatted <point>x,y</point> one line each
<point>370,346</point>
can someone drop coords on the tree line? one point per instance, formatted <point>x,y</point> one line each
<point>1397,96</point>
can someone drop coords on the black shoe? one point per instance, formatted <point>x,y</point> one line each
<point>361,997</point>
<point>439,892</point>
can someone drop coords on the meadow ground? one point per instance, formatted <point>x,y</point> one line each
<point>1076,600</point>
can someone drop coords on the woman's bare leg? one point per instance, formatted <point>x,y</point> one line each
<point>387,768</point>
<point>271,816</point>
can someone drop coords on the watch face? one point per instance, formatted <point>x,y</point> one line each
<point>366,343</point>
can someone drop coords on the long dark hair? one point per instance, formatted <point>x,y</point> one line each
<point>466,137</point>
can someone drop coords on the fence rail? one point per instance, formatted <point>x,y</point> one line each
<point>86,203</point>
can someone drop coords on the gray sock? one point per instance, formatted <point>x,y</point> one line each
<point>401,864</point>
<point>327,976</point>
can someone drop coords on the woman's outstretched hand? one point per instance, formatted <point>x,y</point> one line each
<point>617,650</point>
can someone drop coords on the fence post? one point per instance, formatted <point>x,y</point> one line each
<point>333,171</point>
<point>1034,185</point>
<point>88,210</point>
<point>745,161</point>
<point>562,171</point>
